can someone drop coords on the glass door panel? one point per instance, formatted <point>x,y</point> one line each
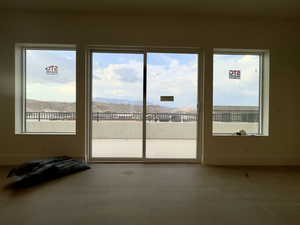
<point>117,105</point>
<point>171,115</point>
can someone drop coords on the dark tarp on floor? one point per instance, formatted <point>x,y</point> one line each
<point>38,171</point>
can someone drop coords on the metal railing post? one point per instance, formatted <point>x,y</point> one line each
<point>233,116</point>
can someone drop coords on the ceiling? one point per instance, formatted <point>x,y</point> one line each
<point>267,8</point>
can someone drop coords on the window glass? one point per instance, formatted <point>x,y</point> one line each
<point>236,94</point>
<point>50,91</point>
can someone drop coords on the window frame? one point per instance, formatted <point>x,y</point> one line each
<point>263,106</point>
<point>21,84</point>
<point>145,50</point>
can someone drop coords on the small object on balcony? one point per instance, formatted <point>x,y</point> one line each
<point>240,133</point>
<point>38,171</point>
<point>243,132</point>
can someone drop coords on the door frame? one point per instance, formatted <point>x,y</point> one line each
<point>144,50</point>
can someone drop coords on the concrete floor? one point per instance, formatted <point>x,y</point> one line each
<point>156,148</point>
<point>158,194</point>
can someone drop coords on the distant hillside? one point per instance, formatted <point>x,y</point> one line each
<point>117,101</point>
<point>42,106</point>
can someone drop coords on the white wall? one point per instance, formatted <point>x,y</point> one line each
<point>281,37</point>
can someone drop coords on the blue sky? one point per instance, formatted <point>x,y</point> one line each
<point>60,87</point>
<point>168,74</point>
<point>120,76</point>
<point>241,92</point>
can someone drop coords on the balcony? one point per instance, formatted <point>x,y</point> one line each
<point>169,135</point>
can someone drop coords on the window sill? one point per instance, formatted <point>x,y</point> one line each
<point>45,134</point>
<point>230,135</point>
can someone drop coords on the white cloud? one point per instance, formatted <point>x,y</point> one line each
<point>41,86</point>
<point>45,92</point>
<point>175,79</point>
<point>67,89</point>
<point>129,72</point>
<point>237,92</point>
<point>38,60</point>
<point>170,75</point>
<point>118,81</point>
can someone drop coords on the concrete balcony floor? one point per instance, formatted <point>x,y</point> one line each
<point>155,148</point>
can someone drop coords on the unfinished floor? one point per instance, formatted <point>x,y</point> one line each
<point>158,194</point>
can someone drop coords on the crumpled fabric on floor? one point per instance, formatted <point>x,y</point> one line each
<point>39,171</point>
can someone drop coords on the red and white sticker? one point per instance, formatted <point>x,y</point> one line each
<point>234,74</point>
<point>51,70</point>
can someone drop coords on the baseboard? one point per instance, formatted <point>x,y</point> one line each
<point>248,161</point>
<point>12,160</point>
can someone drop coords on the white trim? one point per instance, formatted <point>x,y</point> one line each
<point>46,133</point>
<point>145,50</point>
<point>239,51</point>
<point>89,99</point>
<point>44,46</point>
<point>263,83</point>
<point>265,93</point>
<point>200,106</point>
<point>20,84</point>
<point>145,92</point>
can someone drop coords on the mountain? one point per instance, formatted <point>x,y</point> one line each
<point>44,106</point>
<point>117,101</point>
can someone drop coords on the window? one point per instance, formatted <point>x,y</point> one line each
<point>172,95</point>
<point>48,96</point>
<point>238,94</point>
<point>144,105</point>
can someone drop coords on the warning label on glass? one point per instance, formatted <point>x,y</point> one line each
<point>234,74</point>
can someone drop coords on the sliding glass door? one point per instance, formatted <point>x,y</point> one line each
<point>144,106</point>
<point>117,105</point>
<point>171,106</point>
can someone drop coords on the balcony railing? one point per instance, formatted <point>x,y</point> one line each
<point>220,116</point>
